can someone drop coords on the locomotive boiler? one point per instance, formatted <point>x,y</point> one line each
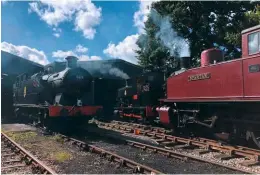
<point>55,97</point>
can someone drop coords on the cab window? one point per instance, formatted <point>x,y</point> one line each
<point>253,43</point>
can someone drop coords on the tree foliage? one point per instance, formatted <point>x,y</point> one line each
<point>205,24</point>
<point>152,55</point>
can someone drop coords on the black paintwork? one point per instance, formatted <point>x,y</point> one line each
<point>63,87</point>
<point>6,95</point>
<point>148,87</point>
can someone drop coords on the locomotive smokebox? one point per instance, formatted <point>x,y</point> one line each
<point>185,62</point>
<point>211,56</point>
<point>71,61</point>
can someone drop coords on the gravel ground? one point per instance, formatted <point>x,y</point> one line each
<point>67,159</point>
<point>64,158</point>
<point>157,161</point>
<point>85,162</point>
<point>235,162</point>
<point>17,127</point>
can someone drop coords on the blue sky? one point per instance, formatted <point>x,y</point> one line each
<point>48,31</point>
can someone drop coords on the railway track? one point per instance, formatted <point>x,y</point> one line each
<point>16,159</point>
<point>238,158</point>
<point>137,168</point>
<point>122,161</point>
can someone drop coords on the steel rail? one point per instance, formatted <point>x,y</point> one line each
<point>206,144</point>
<point>185,157</point>
<point>172,154</point>
<point>138,168</point>
<point>27,157</point>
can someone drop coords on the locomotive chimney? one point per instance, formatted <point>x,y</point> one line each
<point>126,83</point>
<point>71,62</point>
<point>185,62</point>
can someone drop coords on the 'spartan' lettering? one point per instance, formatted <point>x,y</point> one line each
<point>199,77</point>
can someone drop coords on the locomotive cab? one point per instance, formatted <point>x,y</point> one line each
<point>251,41</point>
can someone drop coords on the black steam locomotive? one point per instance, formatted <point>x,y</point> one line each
<point>139,98</point>
<point>53,96</point>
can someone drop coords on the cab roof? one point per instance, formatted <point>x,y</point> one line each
<point>251,29</point>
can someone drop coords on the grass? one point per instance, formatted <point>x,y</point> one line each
<point>45,146</point>
<point>58,138</point>
<point>21,136</point>
<point>61,156</point>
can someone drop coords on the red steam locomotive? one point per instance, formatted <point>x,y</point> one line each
<point>219,97</point>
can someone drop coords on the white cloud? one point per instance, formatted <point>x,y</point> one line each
<point>95,58</point>
<point>57,32</point>
<point>87,58</point>
<point>85,21</point>
<point>84,13</point>
<point>124,50</point>
<point>57,35</point>
<point>31,54</point>
<point>141,16</point>
<point>61,55</point>
<point>81,49</point>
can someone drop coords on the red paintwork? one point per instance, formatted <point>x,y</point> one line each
<point>244,45</point>
<point>251,80</point>
<point>209,56</point>
<point>164,115</point>
<point>131,115</point>
<point>149,112</point>
<point>135,97</point>
<point>229,81</point>
<point>54,111</point>
<point>219,85</point>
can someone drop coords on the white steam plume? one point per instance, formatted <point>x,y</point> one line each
<point>178,46</point>
<point>95,67</point>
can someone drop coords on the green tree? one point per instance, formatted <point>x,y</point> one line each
<point>205,24</point>
<point>251,18</point>
<point>152,54</point>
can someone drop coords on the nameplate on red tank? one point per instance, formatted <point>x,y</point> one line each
<point>254,68</point>
<point>199,77</point>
